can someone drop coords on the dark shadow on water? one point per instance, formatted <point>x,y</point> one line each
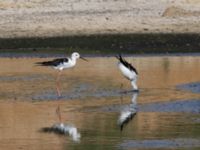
<point>32,77</point>
<point>186,106</point>
<point>81,92</point>
<point>165,143</point>
<point>193,87</point>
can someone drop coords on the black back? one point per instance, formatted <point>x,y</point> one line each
<point>54,62</point>
<point>125,63</point>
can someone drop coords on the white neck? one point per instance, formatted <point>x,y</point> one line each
<point>134,85</point>
<point>73,59</point>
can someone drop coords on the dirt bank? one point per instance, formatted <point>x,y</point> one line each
<point>39,18</point>
<point>108,44</point>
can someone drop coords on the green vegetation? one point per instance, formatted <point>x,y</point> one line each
<point>105,44</point>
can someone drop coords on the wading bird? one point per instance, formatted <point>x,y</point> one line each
<point>60,64</point>
<point>128,71</point>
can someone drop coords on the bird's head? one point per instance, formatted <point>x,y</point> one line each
<point>76,55</point>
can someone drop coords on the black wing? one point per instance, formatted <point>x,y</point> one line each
<point>54,62</point>
<point>126,121</point>
<point>125,63</point>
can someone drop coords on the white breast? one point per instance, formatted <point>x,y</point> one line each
<point>69,64</point>
<point>66,65</point>
<point>129,74</point>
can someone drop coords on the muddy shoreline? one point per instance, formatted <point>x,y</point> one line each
<point>103,45</point>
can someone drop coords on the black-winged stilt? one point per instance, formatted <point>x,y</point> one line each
<point>60,64</point>
<point>128,71</point>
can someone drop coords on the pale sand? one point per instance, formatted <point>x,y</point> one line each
<point>41,18</point>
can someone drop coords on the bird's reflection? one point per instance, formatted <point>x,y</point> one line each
<point>128,112</point>
<point>64,129</point>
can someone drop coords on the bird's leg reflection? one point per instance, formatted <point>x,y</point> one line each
<point>121,86</point>
<point>58,83</point>
<point>128,112</point>
<point>59,114</point>
<point>121,96</point>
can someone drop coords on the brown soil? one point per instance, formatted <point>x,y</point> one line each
<point>178,12</point>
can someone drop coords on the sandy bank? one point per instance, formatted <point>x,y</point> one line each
<point>39,18</point>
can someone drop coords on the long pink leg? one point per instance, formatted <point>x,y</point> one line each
<point>58,84</point>
<point>59,94</point>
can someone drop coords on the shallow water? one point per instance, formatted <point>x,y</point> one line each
<point>165,113</point>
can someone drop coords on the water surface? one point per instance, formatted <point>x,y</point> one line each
<point>164,115</point>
